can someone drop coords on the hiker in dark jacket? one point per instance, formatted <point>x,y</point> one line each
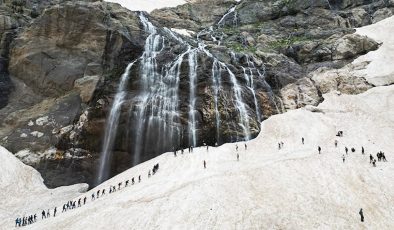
<point>361,215</point>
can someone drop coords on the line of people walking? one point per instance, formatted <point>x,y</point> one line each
<point>72,204</point>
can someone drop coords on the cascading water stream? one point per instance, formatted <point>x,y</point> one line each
<point>153,45</point>
<point>192,129</point>
<point>216,83</point>
<point>230,11</point>
<point>239,103</point>
<point>112,126</point>
<point>329,4</point>
<point>243,113</point>
<point>250,85</point>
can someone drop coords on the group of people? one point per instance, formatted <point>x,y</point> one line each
<point>280,145</point>
<point>236,149</point>
<point>190,150</point>
<point>381,157</point>
<point>23,221</point>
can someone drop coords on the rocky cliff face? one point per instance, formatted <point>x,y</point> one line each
<point>246,61</point>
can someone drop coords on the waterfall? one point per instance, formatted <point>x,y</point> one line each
<point>250,86</point>
<point>192,129</point>
<point>243,113</point>
<point>112,126</point>
<point>329,4</point>
<point>230,11</point>
<point>216,83</point>
<point>154,114</point>
<point>148,70</point>
<point>239,103</point>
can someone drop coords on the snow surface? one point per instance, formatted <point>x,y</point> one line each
<point>23,191</point>
<point>147,5</point>
<point>380,70</point>
<point>267,189</point>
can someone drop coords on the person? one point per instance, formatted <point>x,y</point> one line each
<point>103,192</point>
<point>174,153</point>
<point>362,150</point>
<point>93,196</point>
<point>181,151</point>
<point>64,208</point>
<point>384,157</point>
<point>353,150</point>
<point>139,178</point>
<point>43,214</point>
<point>302,139</point>
<point>191,148</point>
<point>370,158</point>
<point>374,163</point>
<point>149,174</point>
<point>17,221</point>
<point>54,212</point>
<point>279,146</point>
<point>84,200</point>
<point>281,143</point>
<point>236,147</point>
<point>35,217</point>
<point>132,180</point>
<point>120,184</point>
<point>48,213</point>
<point>207,147</point>
<point>127,182</point>
<point>336,143</point>
<point>318,148</point>
<point>205,164</point>
<point>346,149</point>
<point>237,157</point>
<point>343,157</point>
<point>246,147</point>
<point>361,215</point>
<point>98,193</point>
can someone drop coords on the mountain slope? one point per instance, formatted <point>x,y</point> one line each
<point>267,188</point>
